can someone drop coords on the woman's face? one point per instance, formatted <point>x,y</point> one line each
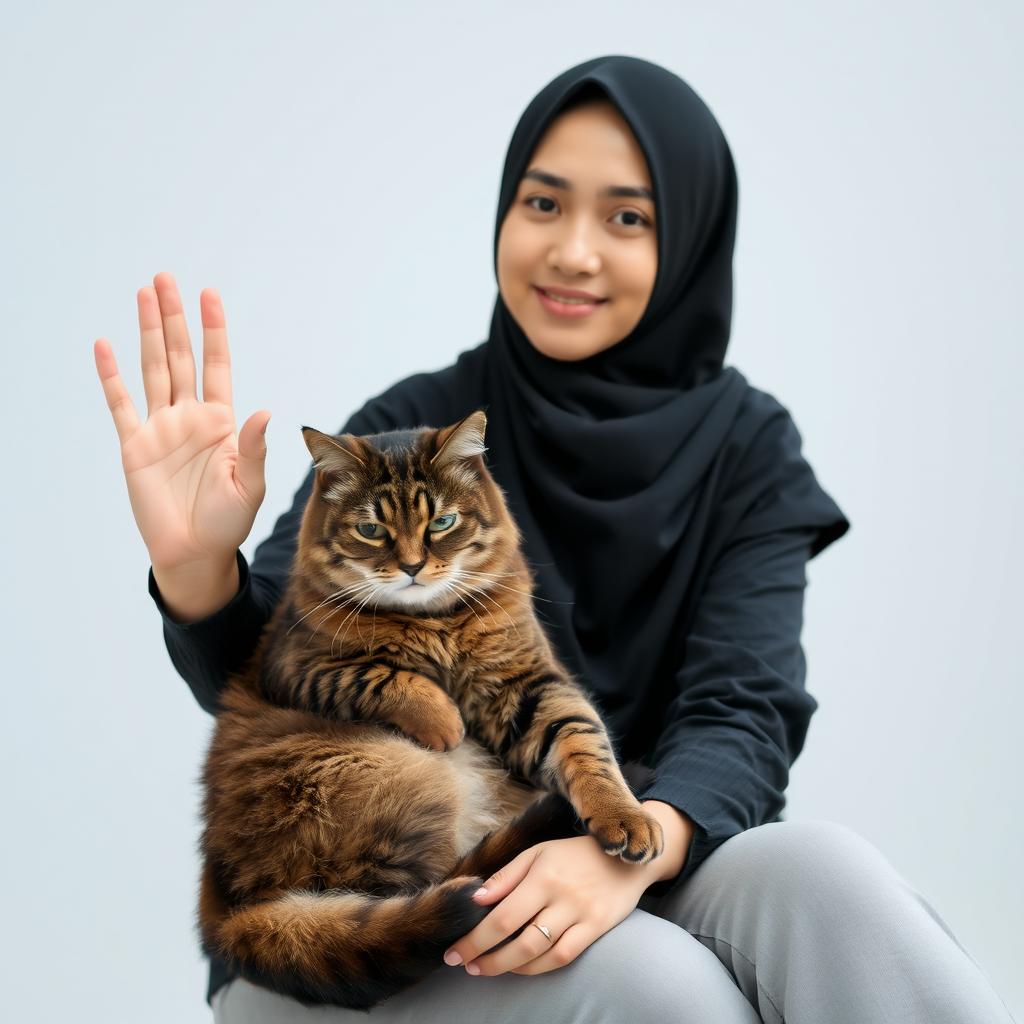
<point>570,233</point>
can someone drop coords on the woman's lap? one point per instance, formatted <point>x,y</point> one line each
<point>645,967</point>
<point>804,921</point>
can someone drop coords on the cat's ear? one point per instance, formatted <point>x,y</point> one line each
<point>460,441</point>
<point>334,455</point>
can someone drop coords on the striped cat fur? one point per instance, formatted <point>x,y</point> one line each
<point>402,730</point>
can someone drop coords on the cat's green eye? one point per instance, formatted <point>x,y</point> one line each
<point>442,522</point>
<point>372,531</point>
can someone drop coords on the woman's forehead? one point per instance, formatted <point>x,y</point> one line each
<point>591,147</point>
<point>614,191</point>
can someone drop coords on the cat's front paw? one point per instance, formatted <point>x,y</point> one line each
<point>432,720</point>
<point>627,832</point>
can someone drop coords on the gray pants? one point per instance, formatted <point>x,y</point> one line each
<point>799,921</point>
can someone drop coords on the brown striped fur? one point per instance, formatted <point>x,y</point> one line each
<point>382,752</point>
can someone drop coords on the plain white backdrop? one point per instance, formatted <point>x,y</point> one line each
<point>333,169</point>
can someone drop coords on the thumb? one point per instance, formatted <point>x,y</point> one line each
<point>505,879</point>
<point>252,454</point>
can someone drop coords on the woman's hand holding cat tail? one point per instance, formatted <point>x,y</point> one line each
<point>194,484</point>
<point>571,887</point>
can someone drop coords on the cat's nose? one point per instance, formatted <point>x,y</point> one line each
<point>413,569</point>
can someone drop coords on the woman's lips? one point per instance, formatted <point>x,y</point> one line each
<point>566,309</point>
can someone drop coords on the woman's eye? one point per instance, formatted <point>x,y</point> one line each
<point>442,523</point>
<point>540,199</point>
<point>372,531</point>
<point>641,219</point>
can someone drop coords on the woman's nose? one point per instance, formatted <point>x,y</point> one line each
<point>574,253</point>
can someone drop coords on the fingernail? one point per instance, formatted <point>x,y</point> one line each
<point>452,959</point>
<point>480,892</point>
<point>472,969</point>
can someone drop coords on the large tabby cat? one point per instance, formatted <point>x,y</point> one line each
<point>402,731</point>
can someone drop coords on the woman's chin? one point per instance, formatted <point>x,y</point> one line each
<point>566,348</point>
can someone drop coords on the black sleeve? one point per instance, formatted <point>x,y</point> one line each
<point>206,651</point>
<point>741,712</point>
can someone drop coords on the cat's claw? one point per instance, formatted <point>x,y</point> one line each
<point>628,833</point>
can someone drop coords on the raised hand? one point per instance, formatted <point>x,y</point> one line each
<point>194,484</point>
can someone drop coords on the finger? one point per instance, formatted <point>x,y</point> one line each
<point>529,944</point>
<point>505,879</point>
<point>156,378</point>
<point>119,402</point>
<point>176,341</point>
<point>216,357</point>
<point>504,920</point>
<point>574,940</point>
<point>252,455</point>
<point>499,885</point>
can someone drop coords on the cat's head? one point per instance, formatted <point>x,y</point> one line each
<point>408,520</point>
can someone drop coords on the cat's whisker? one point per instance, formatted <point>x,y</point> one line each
<point>331,597</point>
<point>515,590</point>
<point>355,611</point>
<point>452,585</point>
<point>540,615</point>
<point>359,588</point>
<point>351,592</point>
<point>373,634</point>
<point>352,611</point>
<point>342,601</point>
<point>497,605</point>
<point>358,632</point>
<point>310,612</point>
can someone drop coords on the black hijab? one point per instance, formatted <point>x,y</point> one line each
<point>630,471</point>
<point>613,464</point>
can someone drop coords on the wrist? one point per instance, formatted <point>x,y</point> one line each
<point>678,829</point>
<point>195,590</point>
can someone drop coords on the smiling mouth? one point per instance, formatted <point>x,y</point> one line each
<point>570,300</point>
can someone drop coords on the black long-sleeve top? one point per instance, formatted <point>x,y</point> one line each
<point>716,741</point>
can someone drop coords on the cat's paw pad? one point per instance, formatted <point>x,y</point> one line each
<point>629,833</point>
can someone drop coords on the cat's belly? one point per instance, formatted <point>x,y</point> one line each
<point>488,797</point>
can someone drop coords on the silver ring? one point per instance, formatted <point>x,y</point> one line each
<point>547,934</point>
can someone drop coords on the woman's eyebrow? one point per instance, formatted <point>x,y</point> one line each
<point>634,191</point>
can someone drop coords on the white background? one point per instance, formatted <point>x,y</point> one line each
<point>333,169</point>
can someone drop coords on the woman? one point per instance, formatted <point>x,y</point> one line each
<point>669,516</point>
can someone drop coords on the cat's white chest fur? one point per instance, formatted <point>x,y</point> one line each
<point>489,798</point>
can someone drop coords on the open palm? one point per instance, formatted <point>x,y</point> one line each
<point>194,484</point>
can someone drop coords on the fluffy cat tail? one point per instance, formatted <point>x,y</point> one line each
<point>353,949</point>
<point>338,946</point>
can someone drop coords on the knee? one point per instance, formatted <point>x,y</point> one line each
<point>649,969</point>
<point>815,864</point>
